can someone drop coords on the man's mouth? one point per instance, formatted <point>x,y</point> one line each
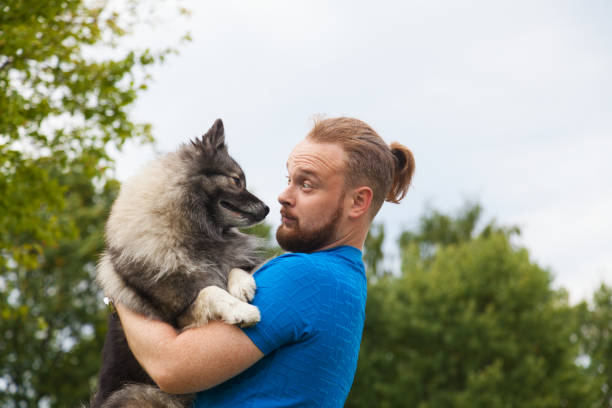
<point>286,218</point>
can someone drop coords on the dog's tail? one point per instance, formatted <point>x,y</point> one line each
<point>144,396</point>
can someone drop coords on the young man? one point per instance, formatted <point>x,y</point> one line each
<point>304,350</point>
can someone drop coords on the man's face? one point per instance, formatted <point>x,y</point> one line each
<point>312,203</point>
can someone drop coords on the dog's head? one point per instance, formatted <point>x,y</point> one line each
<point>216,186</point>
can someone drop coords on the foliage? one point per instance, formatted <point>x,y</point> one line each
<point>52,323</point>
<point>470,322</point>
<point>61,108</point>
<point>595,336</point>
<point>264,232</point>
<point>65,93</point>
<point>437,230</point>
<point>373,252</point>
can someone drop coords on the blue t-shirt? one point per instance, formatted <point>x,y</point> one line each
<point>312,313</point>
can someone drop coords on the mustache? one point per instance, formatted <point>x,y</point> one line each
<point>287,214</point>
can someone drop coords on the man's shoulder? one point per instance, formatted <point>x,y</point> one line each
<point>314,261</point>
<point>288,267</point>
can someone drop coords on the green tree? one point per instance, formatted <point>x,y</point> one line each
<point>52,323</point>
<point>595,337</point>
<point>267,242</point>
<point>373,254</point>
<point>60,110</point>
<point>470,322</point>
<point>65,93</point>
<point>438,230</point>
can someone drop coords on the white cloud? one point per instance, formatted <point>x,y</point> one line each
<point>504,102</point>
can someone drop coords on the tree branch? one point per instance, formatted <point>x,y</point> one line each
<point>6,63</point>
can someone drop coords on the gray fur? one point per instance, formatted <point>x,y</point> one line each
<point>145,396</point>
<point>172,232</point>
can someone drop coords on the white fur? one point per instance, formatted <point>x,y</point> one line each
<point>241,285</point>
<point>114,287</point>
<point>143,220</point>
<point>214,303</point>
<point>143,224</point>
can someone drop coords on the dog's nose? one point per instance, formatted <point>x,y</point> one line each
<point>262,211</point>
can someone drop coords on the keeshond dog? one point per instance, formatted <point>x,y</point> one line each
<point>174,253</point>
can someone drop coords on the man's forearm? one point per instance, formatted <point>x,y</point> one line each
<point>189,361</point>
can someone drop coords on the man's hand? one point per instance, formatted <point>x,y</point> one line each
<point>190,361</point>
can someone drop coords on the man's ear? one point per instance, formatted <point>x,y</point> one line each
<point>361,199</point>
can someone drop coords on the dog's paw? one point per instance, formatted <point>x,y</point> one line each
<point>214,303</point>
<point>243,315</point>
<point>241,285</point>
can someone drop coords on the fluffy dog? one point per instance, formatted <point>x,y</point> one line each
<point>172,253</point>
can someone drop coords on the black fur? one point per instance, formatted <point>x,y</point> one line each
<point>116,353</point>
<point>213,202</point>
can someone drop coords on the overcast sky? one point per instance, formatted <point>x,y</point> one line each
<point>506,103</point>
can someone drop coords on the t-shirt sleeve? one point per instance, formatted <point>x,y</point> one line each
<point>287,297</point>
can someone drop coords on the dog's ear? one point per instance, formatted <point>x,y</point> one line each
<point>215,137</point>
<point>213,140</point>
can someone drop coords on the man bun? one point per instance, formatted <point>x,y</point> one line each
<point>370,161</point>
<point>402,174</point>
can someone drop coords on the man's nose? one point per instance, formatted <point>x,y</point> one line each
<point>285,198</point>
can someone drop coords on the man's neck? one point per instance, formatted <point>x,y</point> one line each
<point>355,238</point>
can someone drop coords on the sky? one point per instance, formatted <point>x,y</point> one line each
<point>503,103</point>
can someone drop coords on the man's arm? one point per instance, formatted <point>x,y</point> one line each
<point>190,361</point>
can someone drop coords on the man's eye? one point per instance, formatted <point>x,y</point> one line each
<point>306,185</point>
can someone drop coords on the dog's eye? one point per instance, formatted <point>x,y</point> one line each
<point>237,181</point>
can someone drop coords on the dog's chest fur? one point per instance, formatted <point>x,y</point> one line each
<point>167,293</point>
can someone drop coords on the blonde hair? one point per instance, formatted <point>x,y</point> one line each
<point>387,170</point>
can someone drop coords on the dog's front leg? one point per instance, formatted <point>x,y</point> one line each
<point>214,303</point>
<point>241,285</point>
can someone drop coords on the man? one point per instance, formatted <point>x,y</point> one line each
<point>312,300</point>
